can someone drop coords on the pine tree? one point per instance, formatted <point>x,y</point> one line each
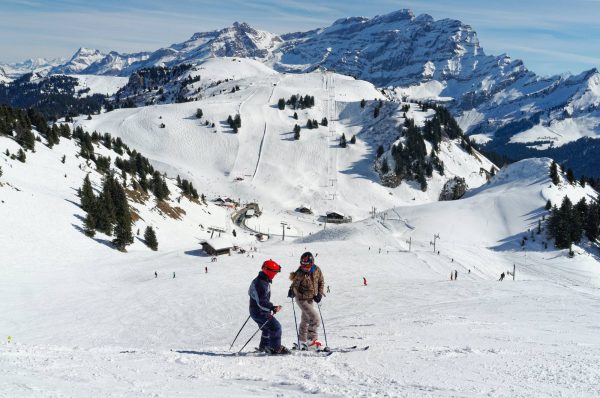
<point>281,104</point>
<point>296,132</point>
<point>554,173</point>
<point>21,157</point>
<point>343,141</point>
<point>422,181</point>
<point>150,238</point>
<point>89,225</point>
<point>123,232</point>
<point>87,195</point>
<point>0,171</point>
<point>376,112</point>
<point>592,222</point>
<point>104,207</point>
<point>566,232</point>
<point>385,168</point>
<point>380,151</point>
<point>548,205</point>
<point>570,176</point>
<point>353,139</point>
<point>324,122</point>
<point>199,113</point>
<point>362,103</point>
<point>295,116</point>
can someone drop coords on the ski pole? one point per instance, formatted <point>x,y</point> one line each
<point>238,333</point>
<point>323,323</point>
<point>296,323</point>
<point>259,329</point>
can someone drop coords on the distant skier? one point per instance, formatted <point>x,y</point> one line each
<point>469,270</point>
<point>261,308</point>
<point>173,274</point>
<point>451,275</point>
<point>501,277</point>
<point>364,281</point>
<point>328,291</point>
<point>155,275</point>
<point>455,274</point>
<point>307,286</point>
<point>206,270</point>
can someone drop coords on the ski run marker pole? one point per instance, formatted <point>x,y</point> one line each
<point>323,323</point>
<point>296,323</point>
<point>236,336</point>
<point>259,329</point>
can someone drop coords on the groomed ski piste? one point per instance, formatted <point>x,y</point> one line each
<point>87,320</point>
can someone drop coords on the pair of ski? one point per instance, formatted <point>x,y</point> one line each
<point>322,352</point>
<point>326,351</point>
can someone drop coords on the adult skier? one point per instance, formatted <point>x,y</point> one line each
<point>261,309</point>
<point>307,287</point>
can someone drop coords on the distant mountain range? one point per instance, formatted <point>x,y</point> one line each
<point>496,99</point>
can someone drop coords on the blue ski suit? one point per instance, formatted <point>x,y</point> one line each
<point>260,311</point>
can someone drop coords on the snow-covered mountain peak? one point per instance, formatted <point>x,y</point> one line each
<point>81,60</point>
<point>242,40</point>
<point>400,15</point>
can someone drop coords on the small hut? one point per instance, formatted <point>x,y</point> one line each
<point>335,217</point>
<point>304,209</point>
<point>217,246</point>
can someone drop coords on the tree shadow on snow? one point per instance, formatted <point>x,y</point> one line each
<point>102,241</point>
<point>74,203</point>
<point>362,169</point>
<point>288,136</point>
<point>513,243</point>
<point>535,214</point>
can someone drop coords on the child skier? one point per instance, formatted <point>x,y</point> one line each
<point>307,286</point>
<point>261,308</point>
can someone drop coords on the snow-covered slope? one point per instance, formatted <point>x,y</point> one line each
<point>312,171</point>
<point>105,85</point>
<point>83,317</point>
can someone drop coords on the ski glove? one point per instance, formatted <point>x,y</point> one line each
<point>291,293</point>
<point>318,298</point>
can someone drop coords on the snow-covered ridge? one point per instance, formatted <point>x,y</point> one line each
<point>14,70</point>
<point>425,58</point>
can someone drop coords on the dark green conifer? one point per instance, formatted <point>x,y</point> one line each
<point>89,225</point>
<point>150,238</point>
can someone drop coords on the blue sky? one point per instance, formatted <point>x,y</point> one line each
<point>551,36</point>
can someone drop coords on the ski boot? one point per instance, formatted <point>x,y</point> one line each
<point>282,350</point>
